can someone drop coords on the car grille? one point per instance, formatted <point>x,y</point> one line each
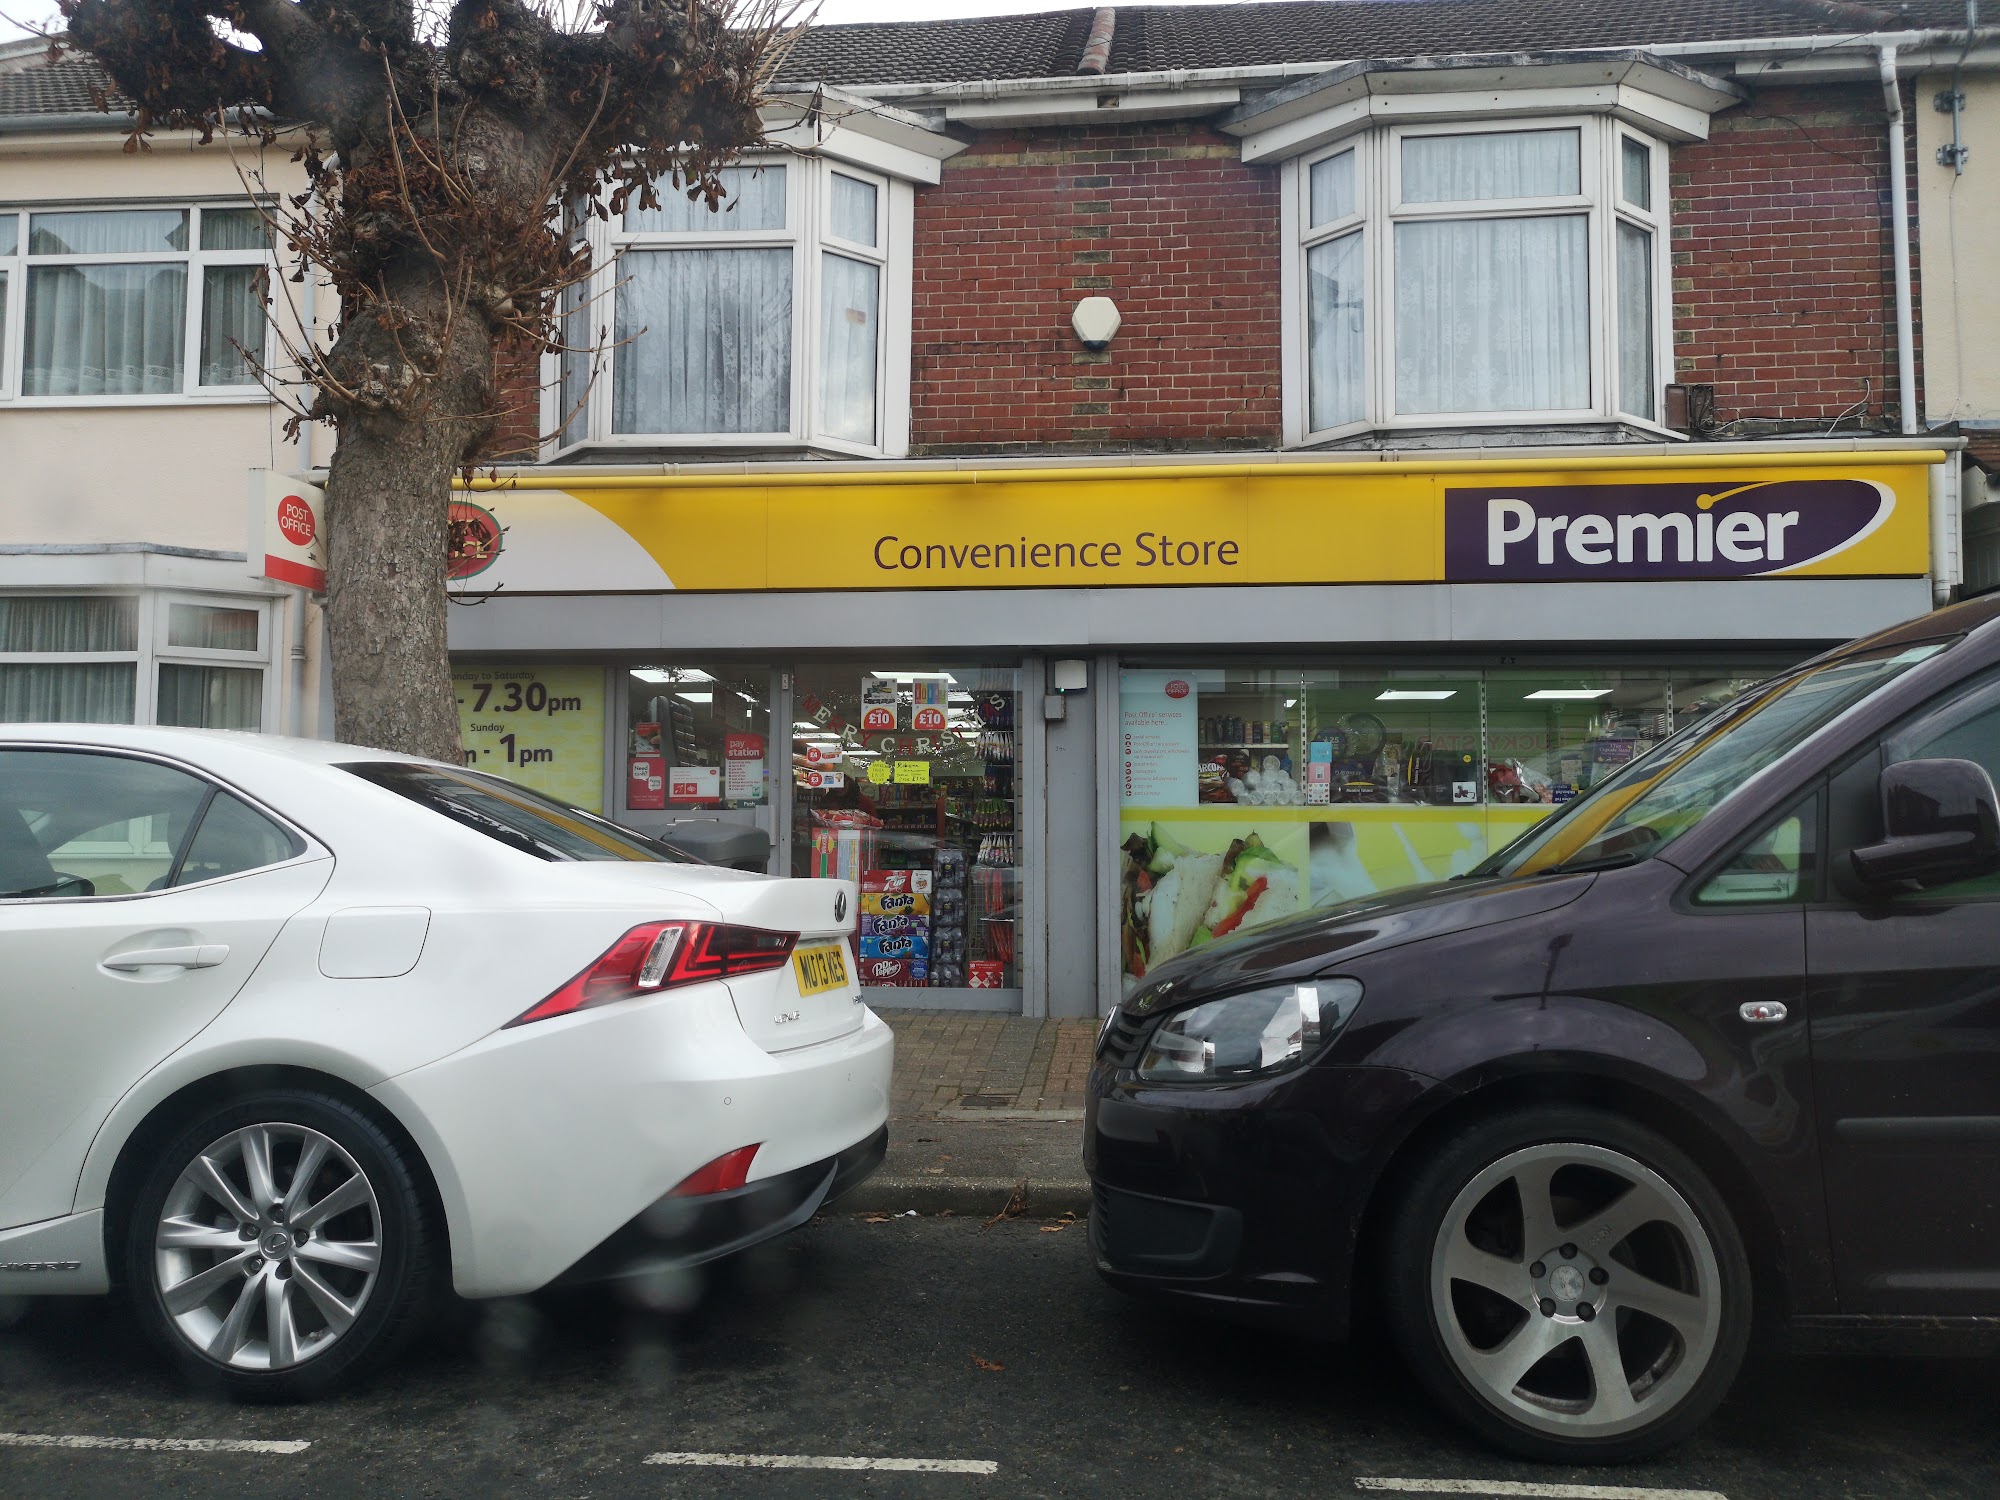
<point>1124,1040</point>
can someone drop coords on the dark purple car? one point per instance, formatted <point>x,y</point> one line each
<point>1715,1047</point>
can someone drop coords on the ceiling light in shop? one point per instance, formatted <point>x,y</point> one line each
<point>917,676</point>
<point>696,697</point>
<point>1291,703</point>
<point>671,674</point>
<point>1425,695</point>
<point>1568,693</point>
<point>652,674</point>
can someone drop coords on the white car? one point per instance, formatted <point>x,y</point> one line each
<point>290,1030</point>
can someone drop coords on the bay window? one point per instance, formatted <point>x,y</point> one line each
<point>194,660</point>
<point>765,322</point>
<point>102,305</point>
<point>1476,273</point>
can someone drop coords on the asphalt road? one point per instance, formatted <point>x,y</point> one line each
<point>925,1339</point>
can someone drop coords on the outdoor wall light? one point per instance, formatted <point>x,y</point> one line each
<point>1096,322</point>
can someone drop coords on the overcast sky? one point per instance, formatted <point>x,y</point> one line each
<point>35,11</point>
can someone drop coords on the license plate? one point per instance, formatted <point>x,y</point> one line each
<point>822,968</point>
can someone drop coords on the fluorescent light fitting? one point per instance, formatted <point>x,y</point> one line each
<point>1291,703</point>
<point>696,697</point>
<point>1569,693</point>
<point>917,676</point>
<point>1425,695</point>
<point>652,674</point>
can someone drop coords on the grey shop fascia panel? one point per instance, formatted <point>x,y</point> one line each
<point>1800,611</point>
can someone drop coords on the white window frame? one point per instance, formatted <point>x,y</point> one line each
<point>807,234</point>
<point>152,650</point>
<point>197,260</point>
<point>1378,174</point>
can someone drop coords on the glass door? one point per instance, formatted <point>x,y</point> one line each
<point>904,781</point>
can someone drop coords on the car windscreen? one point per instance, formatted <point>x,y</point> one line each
<point>508,814</point>
<point>1663,794</point>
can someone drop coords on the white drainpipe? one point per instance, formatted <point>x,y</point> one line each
<point>1899,241</point>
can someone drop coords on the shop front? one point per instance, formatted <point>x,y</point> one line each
<point>1061,722</point>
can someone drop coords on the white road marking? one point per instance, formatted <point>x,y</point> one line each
<point>808,1461</point>
<point>1532,1490</point>
<point>152,1445</point>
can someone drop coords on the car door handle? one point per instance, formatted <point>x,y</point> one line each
<point>205,956</point>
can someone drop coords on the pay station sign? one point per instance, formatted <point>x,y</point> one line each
<point>287,530</point>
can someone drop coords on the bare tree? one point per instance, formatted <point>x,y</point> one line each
<point>445,149</point>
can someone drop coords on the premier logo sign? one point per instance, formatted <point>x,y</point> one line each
<point>1695,529</point>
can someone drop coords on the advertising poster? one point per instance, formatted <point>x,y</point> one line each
<point>1158,726</point>
<point>1191,877</point>
<point>743,767</point>
<point>878,705</point>
<point>647,787</point>
<point>694,784</point>
<point>542,726</point>
<point>928,700</point>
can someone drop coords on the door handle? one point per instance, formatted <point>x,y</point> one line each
<point>205,956</point>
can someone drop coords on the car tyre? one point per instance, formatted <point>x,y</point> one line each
<point>281,1245</point>
<point>1569,1284</point>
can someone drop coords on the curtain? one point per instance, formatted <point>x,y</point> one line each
<point>1496,164</point>
<point>1635,173</point>
<point>211,697</point>
<point>66,693</point>
<point>1336,356</point>
<point>1330,187</point>
<point>849,326</point>
<point>54,622</point>
<point>704,342</point>
<point>577,356</point>
<point>211,627</point>
<point>104,330</point>
<point>853,210</point>
<point>234,229</point>
<point>130,231</point>
<point>1493,315</point>
<point>755,200</point>
<point>232,320</point>
<point>1635,320</point>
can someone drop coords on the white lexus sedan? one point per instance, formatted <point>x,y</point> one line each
<point>290,1030</point>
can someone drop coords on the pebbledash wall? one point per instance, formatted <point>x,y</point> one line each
<point>1338,597</point>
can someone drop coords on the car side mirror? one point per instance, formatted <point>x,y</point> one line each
<point>1941,819</point>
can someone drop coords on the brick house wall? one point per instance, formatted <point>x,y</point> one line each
<point>1784,287</point>
<point>1163,219</point>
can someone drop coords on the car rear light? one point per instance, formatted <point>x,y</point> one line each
<point>660,955</point>
<point>722,1175</point>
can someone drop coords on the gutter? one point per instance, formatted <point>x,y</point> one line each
<point>1899,240</point>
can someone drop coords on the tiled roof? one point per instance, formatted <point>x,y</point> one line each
<point>31,85</point>
<point>1152,38</point>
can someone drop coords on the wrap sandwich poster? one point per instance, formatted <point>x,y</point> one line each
<point>1192,877</point>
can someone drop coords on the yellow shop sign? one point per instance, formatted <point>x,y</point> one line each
<point>1613,519</point>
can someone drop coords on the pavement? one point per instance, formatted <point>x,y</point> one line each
<point>982,1108</point>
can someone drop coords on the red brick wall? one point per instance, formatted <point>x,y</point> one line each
<point>1167,222</point>
<point>1784,290</point>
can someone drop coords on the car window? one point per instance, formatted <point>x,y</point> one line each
<point>514,816</point>
<point>1966,727</point>
<point>76,824</point>
<point>234,837</point>
<point>1779,865</point>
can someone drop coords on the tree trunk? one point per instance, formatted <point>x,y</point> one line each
<point>388,499</point>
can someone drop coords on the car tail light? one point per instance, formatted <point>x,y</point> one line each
<point>722,1175</point>
<point>660,955</point>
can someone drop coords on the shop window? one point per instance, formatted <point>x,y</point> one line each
<point>697,738</point>
<point>133,304</point>
<point>1251,794</point>
<point>904,782</point>
<point>1453,275</point>
<point>760,322</point>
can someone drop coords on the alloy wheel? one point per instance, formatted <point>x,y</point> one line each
<point>1576,1290</point>
<point>267,1247</point>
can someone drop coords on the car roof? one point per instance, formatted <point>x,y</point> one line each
<point>197,745</point>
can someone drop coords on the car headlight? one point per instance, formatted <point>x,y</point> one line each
<point>1247,1035</point>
